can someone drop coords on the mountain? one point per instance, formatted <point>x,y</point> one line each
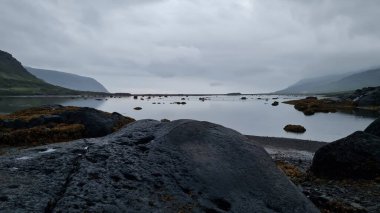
<point>68,80</point>
<point>335,83</point>
<point>16,80</point>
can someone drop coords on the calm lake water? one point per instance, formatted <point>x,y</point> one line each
<point>251,116</point>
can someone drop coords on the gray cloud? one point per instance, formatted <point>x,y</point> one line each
<point>193,45</point>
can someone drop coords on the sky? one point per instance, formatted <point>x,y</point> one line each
<point>193,46</point>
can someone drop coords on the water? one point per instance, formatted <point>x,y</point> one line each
<point>251,116</point>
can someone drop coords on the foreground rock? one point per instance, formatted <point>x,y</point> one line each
<point>149,166</point>
<point>56,123</point>
<point>374,128</point>
<point>356,156</point>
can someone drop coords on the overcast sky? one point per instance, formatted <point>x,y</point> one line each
<point>193,46</point>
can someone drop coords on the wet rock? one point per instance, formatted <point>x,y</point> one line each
<point>243,98</point>
<point>294,128</point>
<point>356,156</point>
<point>275,103</point>
<point>150,166</point>
<point>137,108</point>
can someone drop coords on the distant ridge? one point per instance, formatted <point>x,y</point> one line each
<point>335,83</point>
<point>16,80</point>
<point>68,80</point>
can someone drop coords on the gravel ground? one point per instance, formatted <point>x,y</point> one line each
<point>294,157</point>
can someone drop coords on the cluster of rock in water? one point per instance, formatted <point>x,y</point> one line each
<point>367,98</point>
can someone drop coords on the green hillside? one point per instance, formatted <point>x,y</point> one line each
<point>16,80</point>
<point>68,80</point>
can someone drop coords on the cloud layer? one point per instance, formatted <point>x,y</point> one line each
<point>193,46</point>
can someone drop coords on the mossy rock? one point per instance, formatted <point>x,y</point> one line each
<point>294,128</point>
<point>312,105</point>
<point>55,123</point>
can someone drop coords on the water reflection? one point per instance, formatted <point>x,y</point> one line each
<point>11,104</point>
<point>255,115</point>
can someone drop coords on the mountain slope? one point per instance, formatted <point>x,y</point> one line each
<point>370,78</point>
<point>15,80</point>
<point>335,83</point>
<point>68,80</point>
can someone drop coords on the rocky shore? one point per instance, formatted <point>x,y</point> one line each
<point>149,166</point>
<point>294,157</point>
<point>122,165</point>
<point>362,99</point>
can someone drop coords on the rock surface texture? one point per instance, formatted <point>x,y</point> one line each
<point>355,156</point>
<point>149,166</point>
<point>374,128</point>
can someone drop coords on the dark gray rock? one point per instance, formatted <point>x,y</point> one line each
<point>374,128</point>
<point>97,123</point>
<point>356,156</point>
<point>275,103</point>
<point>367,97</point>
<point>149,166</point>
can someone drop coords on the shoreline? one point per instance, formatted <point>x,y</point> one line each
<point>294,157</point>
<point>287,143</point>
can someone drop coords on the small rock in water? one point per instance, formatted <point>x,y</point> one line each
<point>294,128</point>
<point>137,108</point>
<point>275,103</point>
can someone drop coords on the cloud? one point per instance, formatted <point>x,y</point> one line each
<point>242,45</point>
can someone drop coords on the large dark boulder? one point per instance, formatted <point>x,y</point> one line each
<point>374,128</point>
<point>149,166</point>
<point>356,156</point>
